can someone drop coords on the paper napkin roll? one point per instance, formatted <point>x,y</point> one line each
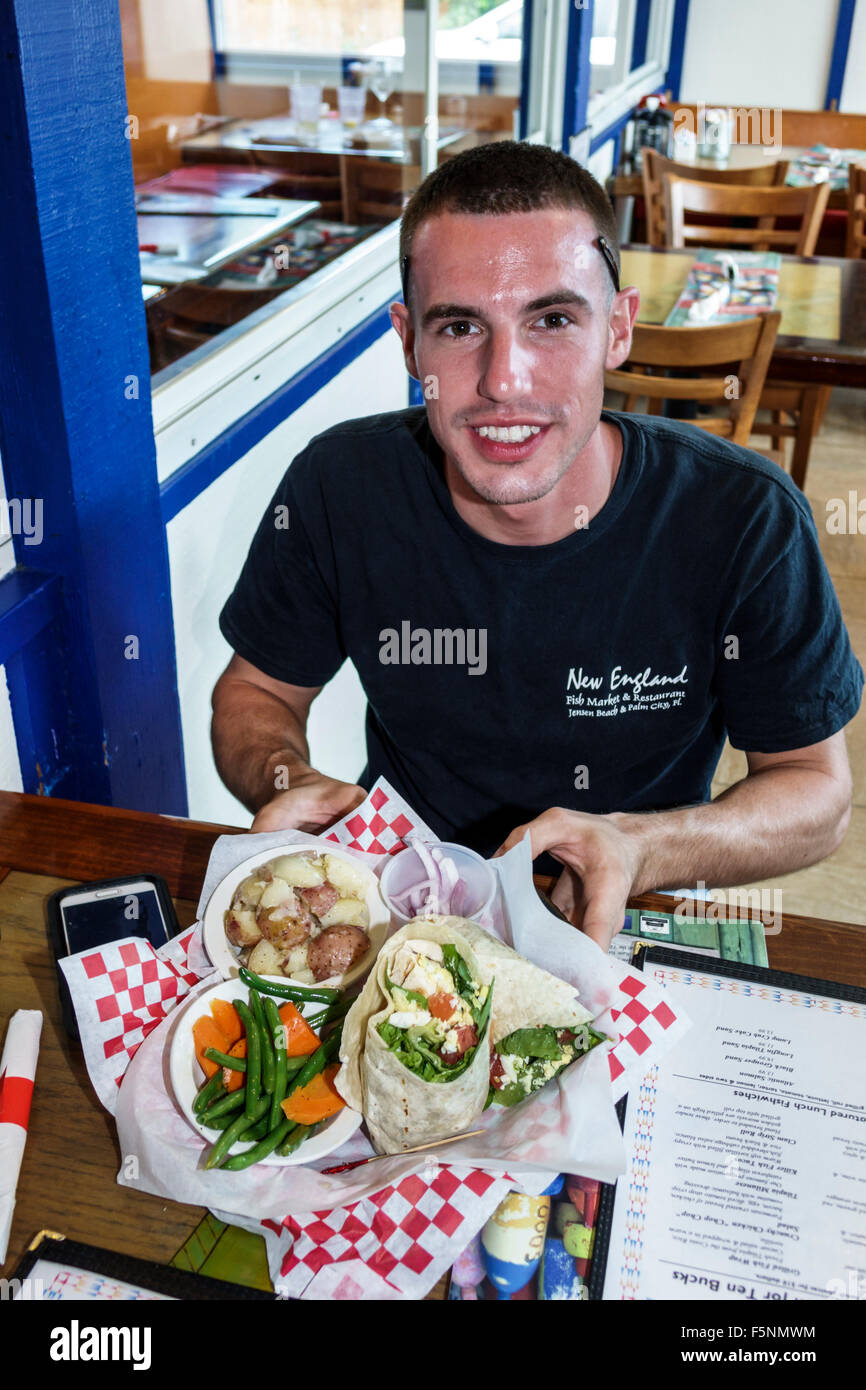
<point>17,1073</point>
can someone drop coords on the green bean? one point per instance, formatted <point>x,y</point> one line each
<point>254,1058</point>
<point>235,1132</point>
<point>295,1139</point>
<point>208,1092</point>
<point>278,1035</point>
<point>294,1064</point>
<point>329,1015</point>
<point>224,1060</point>
<point>261,1150</point>
<point>258,1131</point>
<point>315,1063</point>
<point>233,1101</point>
<point>267,1044</point>
<point>297,993</point>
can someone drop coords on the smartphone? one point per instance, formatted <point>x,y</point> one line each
<point>90,915</point>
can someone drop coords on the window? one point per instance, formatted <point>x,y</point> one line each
<point>629,54</point>
<point>311,115</point>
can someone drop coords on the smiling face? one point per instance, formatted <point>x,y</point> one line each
<point>514,318</point>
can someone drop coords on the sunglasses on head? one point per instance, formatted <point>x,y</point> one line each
<point>601,242</point>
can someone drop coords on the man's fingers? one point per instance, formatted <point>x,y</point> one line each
<point>604,907</point>
<point>567,895</point>
<point>545,832</point>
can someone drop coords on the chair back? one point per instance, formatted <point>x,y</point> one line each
<point>855,236</point>
<point>374,190</point>
<point>654,166</point>
<point>744,346</point>
<point>805,206</point>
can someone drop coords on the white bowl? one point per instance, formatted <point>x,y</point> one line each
<point>226,957</point>
<point>187,1077</point>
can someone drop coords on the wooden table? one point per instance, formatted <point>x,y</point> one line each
<point>822,299</point>
<point>72,1157</point>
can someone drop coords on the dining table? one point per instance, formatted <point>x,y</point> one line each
<point>68,1181</point>
<point>822,300</point>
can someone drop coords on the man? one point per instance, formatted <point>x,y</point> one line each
<point>557,614</point>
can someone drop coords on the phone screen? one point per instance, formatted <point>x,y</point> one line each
<point>94,921</point>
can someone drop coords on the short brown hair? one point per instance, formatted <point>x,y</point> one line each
<point>502,177</point>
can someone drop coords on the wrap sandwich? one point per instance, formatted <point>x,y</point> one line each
<point>415,1050</point>
<point>418,1077</point>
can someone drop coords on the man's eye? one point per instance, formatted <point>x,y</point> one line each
<point>564,320</point>
<point>460,325</point>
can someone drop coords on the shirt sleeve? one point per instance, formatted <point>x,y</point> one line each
<point>283,615</point>
<point>790,678</point>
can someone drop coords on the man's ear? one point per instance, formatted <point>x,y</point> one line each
<point>401,321</point>
<point>623,313</point>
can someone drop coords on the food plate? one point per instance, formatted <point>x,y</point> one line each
<point>187,1076</point>
<point>226,957</point>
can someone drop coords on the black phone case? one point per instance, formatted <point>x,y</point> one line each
<point>58,943</point>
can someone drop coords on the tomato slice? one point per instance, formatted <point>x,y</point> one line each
<point>441,1005</point>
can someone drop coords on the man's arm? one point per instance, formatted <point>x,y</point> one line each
<point>261,753</point>
<point>791,810</point>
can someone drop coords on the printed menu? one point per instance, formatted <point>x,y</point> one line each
<point>746,1144</point>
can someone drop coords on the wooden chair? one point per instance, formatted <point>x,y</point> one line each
<point>734,201</point>
<point>374,190</point>
<point>745,346</point>
<point>855,236</point>
<point>654,166</point>
<point>796,410</point>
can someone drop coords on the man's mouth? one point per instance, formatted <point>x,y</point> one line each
<point>508,443</point>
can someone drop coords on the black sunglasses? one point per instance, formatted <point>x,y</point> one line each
<point>602,243</point>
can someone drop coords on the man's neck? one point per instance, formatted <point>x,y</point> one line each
<point>579,495</point>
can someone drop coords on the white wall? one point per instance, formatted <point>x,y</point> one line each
<point>854,86</point>
<point>776,53</point>
<point>208,543</point>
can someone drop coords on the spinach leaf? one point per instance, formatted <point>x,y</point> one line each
<point>532,1042</point>
<point>412,994</point>
<point>512,1094</point>
<point>458,970</point>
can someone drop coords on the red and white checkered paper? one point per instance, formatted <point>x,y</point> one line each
<point>394,1242</point>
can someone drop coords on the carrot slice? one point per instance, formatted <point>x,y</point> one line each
<point>206,1034</point>
<point>235,1079</point>
<point>300,1038</point>
<point>317,1100</point>
<point>227,1020</point>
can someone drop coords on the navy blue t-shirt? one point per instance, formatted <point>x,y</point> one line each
<point>600,673</point>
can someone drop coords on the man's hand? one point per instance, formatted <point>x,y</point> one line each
<point>601,862</point>
<point>791,810</point>
<point>312,803</point>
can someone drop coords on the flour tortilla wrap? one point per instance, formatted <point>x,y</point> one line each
<point>525,996</point>
<point>400,1108</point>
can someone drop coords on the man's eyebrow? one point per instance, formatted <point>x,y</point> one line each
<point>468,311</point>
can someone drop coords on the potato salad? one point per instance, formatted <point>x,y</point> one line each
<point>302,915</point>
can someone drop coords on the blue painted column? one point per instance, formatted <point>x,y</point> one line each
<point>577,70</point>
<point>839,56</point>
<point>674,75</point>
<point>76,430</point>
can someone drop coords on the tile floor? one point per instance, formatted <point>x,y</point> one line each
<point>835,888</point>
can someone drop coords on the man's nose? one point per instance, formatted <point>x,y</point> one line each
<point>505,368</point>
